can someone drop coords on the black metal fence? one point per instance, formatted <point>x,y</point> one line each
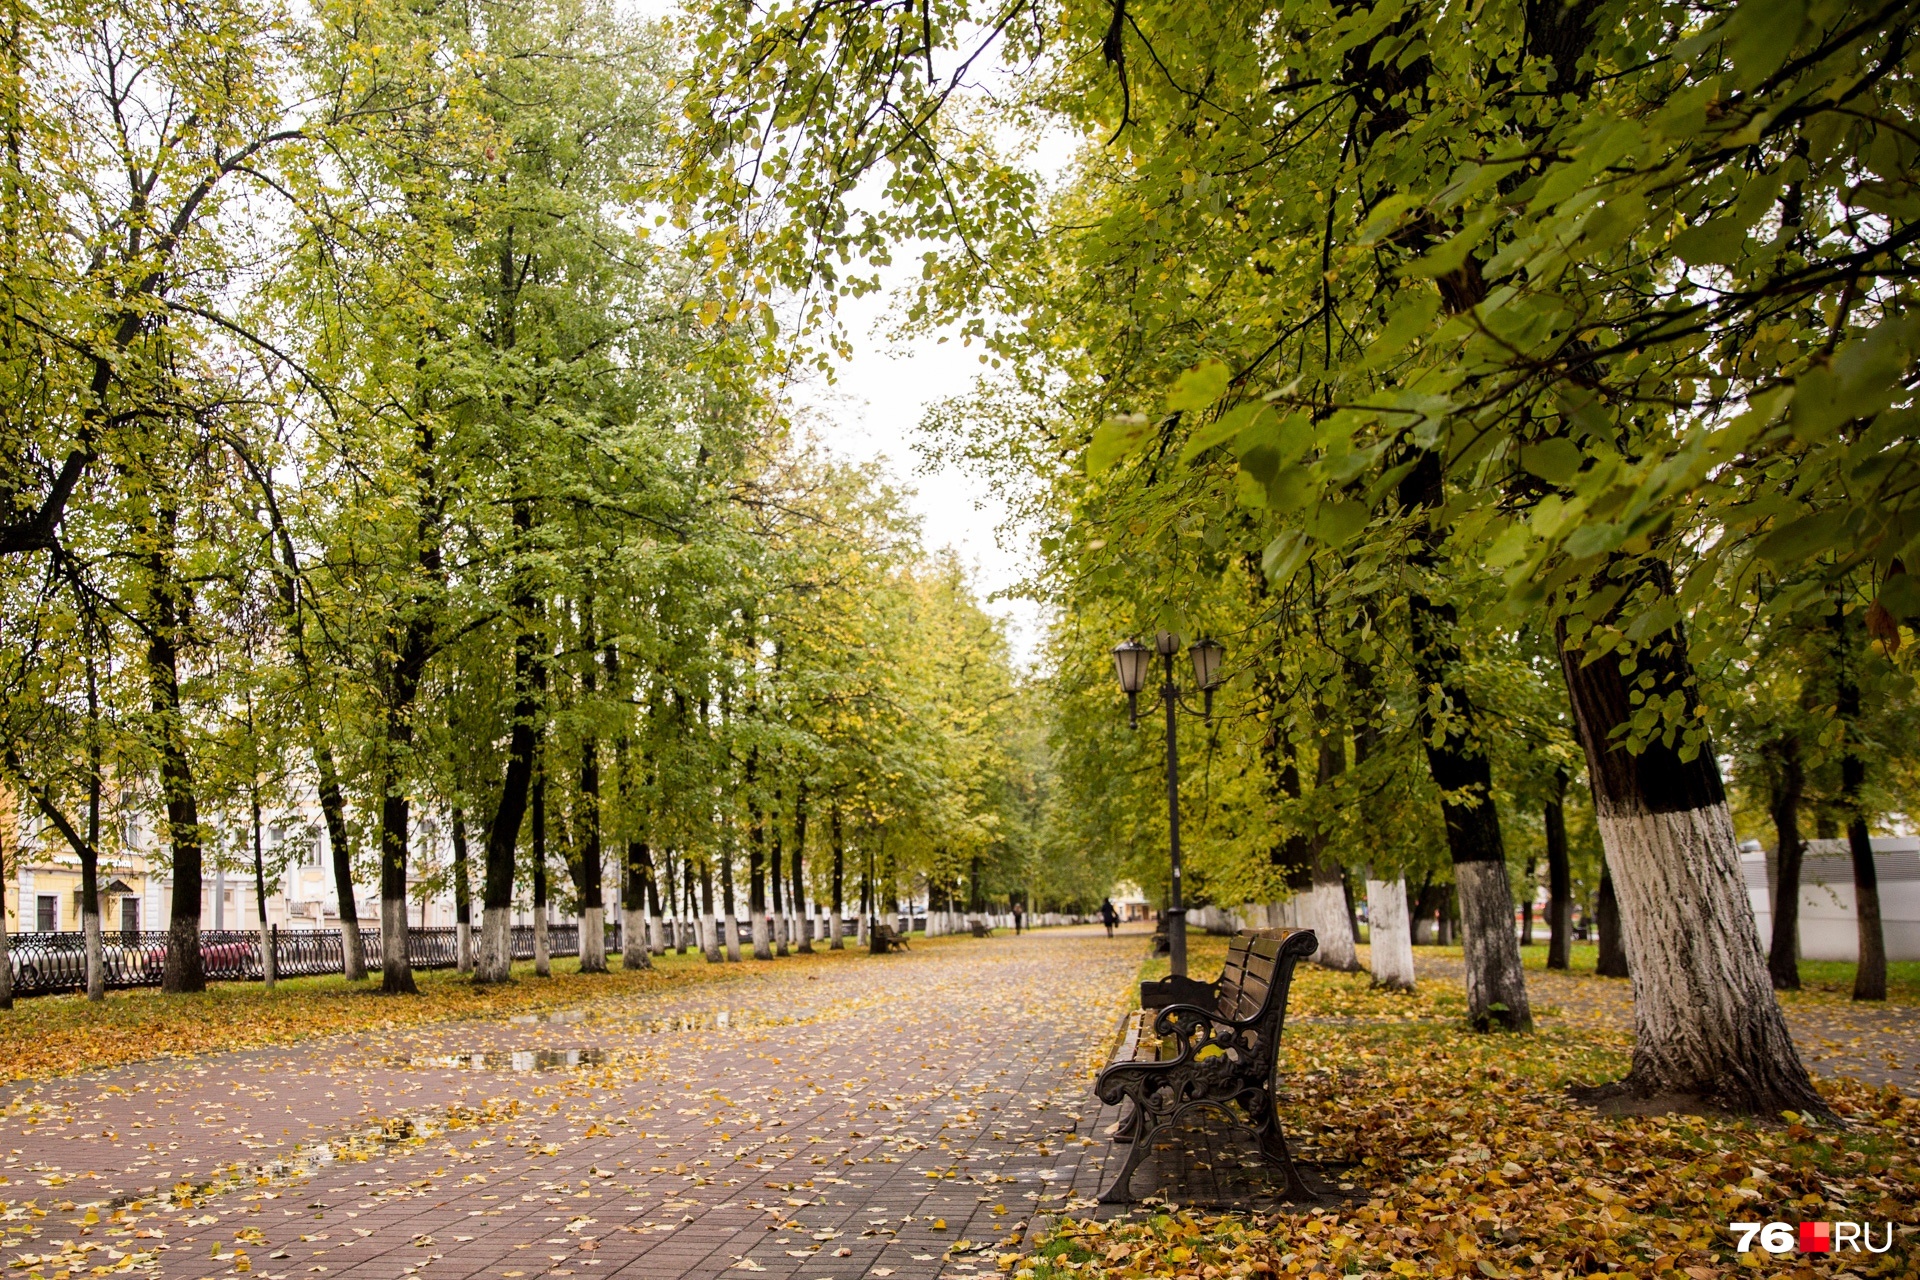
<point>48,962</point>
<point>44,963</point>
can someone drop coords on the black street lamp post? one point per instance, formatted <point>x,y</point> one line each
<point>1130,663</point>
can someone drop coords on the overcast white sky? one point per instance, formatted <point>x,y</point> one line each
<point>872,412</point>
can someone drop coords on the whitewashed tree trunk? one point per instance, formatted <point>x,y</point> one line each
<point>731,931</point>
<point>836,943</point>
<point>353,951</point>
<point>463,944</point>
<point>268,961</point>
<point>593,940</point>
<point>542,948</point>
<point>762,937</point>
<point>97,957</point>
<point>495,961</point>
<point>1705,1020</point>
<point>636,939</point>
<point>1495,980</point>
<point>1391,945</point>
<point>395,969</point>
<point>1327,910</point>
<point>780,934</point>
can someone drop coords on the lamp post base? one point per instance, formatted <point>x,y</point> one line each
<point>1177,941</point>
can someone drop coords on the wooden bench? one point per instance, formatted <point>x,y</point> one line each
<point>980,929</point>
<point>1196,1045</point>
<point>883,938</point>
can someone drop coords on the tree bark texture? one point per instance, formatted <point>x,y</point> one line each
<point>1451,732</point>
<point>636,932</point>
<point>1706,1024</point>
<point>839,878</point>
<point>1612,960</point>
<point>268,961</point>
<point>1787,784</point>
<point>1391,934</point>
<point>503,833</point>
<point>1559,877</point>
<point>1870,970</point>
<point>1327,898</point>
<point>542,946</point>
<point>462,895</point>
<point>182,969</point>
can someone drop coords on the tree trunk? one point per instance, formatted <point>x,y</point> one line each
<point>688,907</point>
<point>1526,903</point>
<point>709,915</point>
<point>542,945</point>
<point>839,877</point>
<point>182,970</point>
<point>523,739</point>
<point>1327,899</point>
<point>1870,977</point>
<point>333,808</point>
<point>757,887</point>
<point>1870,974</point>
<point>462,895</point>
<point>396,974</point>
<point>774,878</point>
<point>1559,877</point>
<point>589,875</point>
<point>90,852</point>
<point>1706,1024</point>
<point>1788,783</point>
<point>1390,943</point>
<point>1451,731</point>
<point>655,915</point>
<point>802,909</point>
<point>588,878</point>
<point>636,942</point>
<point>267,958</point>
<point>1612,962</point>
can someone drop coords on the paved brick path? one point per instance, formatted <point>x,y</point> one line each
<point>838,1117</point>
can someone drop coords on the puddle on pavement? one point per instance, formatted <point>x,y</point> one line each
<point>723,1020</point>
<point>563,1016</point>
<point>504,1060</point>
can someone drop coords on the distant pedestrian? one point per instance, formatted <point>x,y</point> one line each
<point>1017,915</point>
<point>1108,916</point>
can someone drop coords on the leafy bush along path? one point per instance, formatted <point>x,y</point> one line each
<point>1471,1160</point>
<point>856,1115</point>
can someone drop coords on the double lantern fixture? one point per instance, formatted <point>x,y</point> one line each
<point>1130,660</point>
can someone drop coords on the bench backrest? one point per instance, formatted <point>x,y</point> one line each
<point>1235,972</point>
<point>1259,970</point>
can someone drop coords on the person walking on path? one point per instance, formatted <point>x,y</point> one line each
<point>1108,916</point>
<point>1017,913</point>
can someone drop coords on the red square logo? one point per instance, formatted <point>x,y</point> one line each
<point>1816,1237</point>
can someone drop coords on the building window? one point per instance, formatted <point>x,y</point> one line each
<point>129,915</point>
<point>49,916</point>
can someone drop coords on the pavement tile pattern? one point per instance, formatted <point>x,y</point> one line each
<point>839,1117</point>
<point>828,1118</point>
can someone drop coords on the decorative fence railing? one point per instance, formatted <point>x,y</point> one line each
<point>44,963</point>
<point>48,962</point>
